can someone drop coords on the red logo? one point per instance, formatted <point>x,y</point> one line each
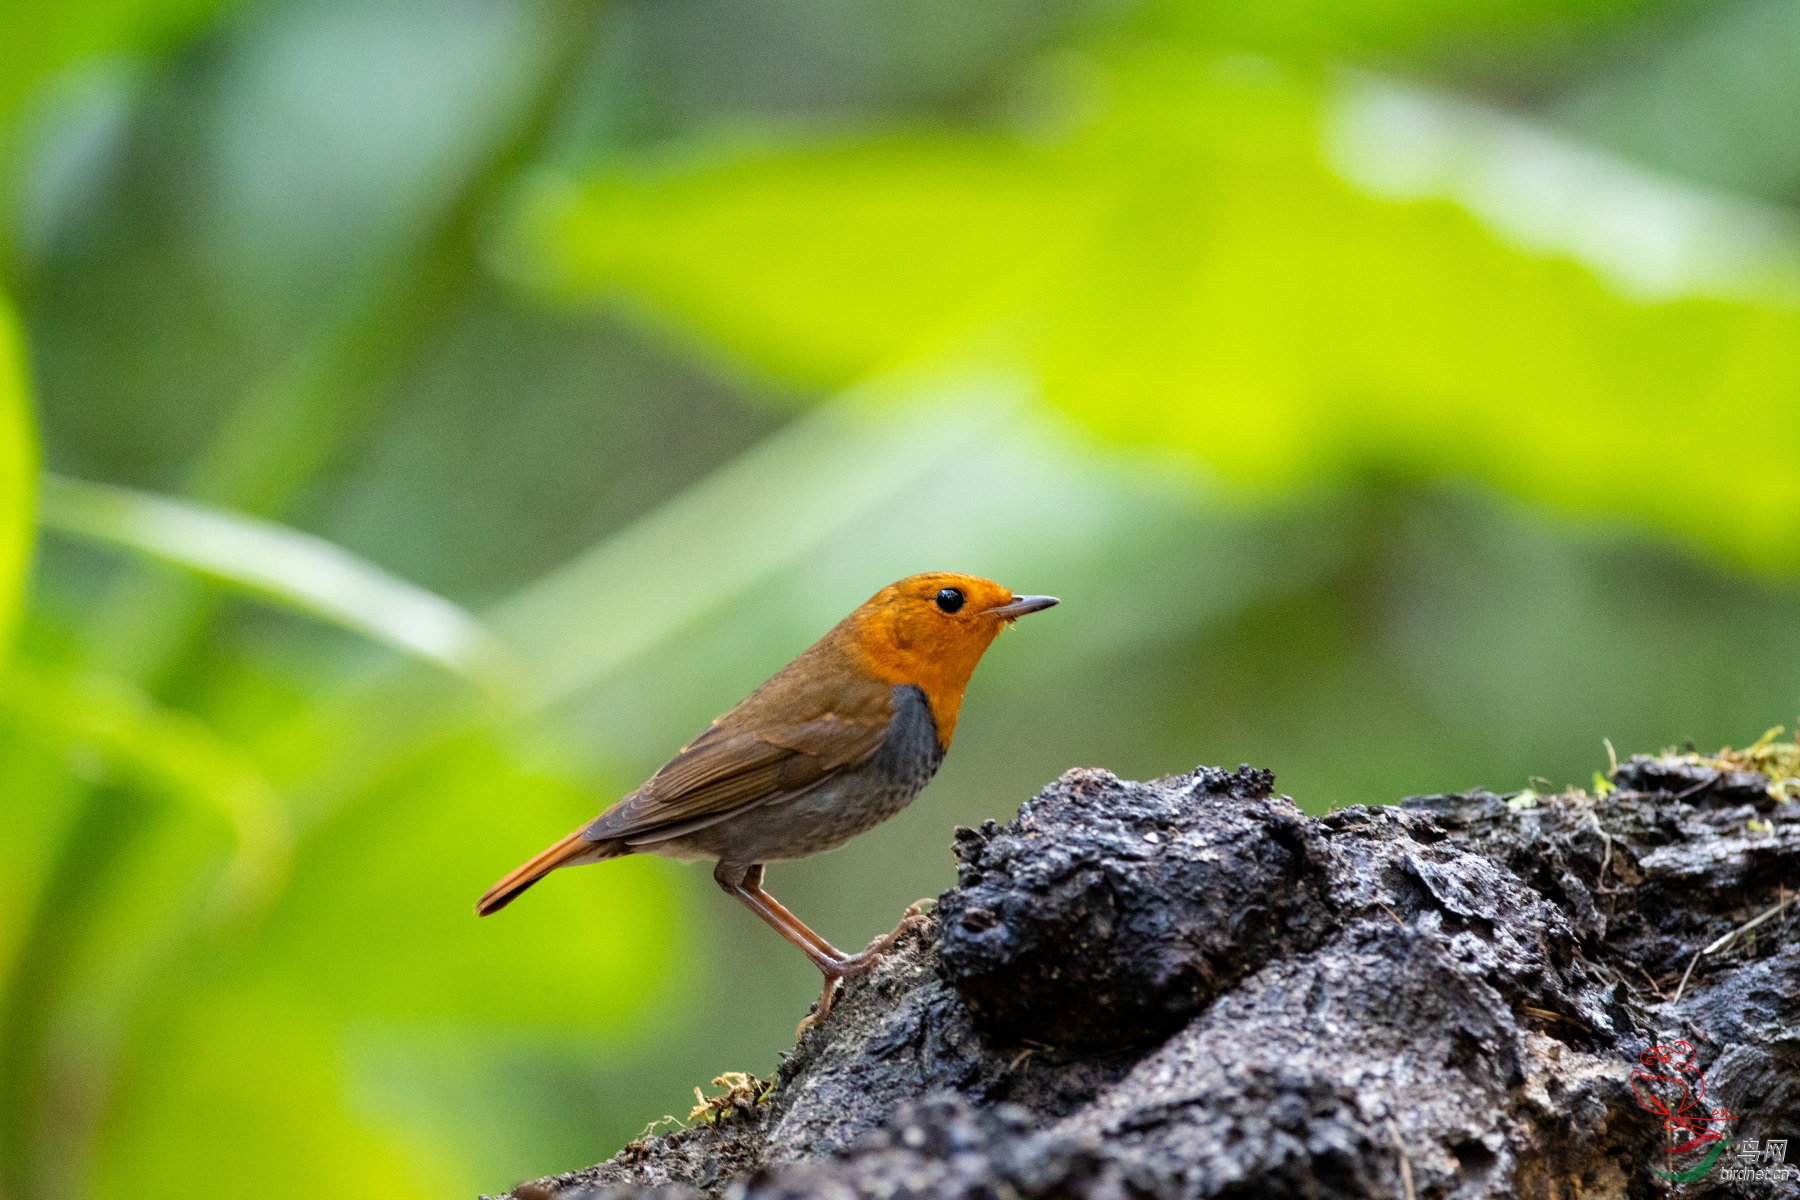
<point>1669,1084</point>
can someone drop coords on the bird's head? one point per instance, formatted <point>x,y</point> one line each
<point>930,630</point>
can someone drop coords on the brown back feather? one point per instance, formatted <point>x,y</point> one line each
<point>805,724</point>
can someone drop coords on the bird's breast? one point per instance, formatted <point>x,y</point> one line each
<point>911,752</point>
<point>863,797</point>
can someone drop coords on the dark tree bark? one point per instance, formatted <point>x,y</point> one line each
<point>1188,988</point>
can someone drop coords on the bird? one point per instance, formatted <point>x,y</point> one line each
<point>831,745</point>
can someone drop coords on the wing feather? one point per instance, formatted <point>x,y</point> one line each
<point>727,769</point>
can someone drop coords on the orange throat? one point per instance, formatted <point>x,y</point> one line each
<point>939,666</point>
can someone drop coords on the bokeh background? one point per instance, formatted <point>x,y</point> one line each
<point>418,417</point>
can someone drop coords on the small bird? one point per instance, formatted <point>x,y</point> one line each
<point>835,743</point>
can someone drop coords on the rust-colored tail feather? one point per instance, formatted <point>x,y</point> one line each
<point>571,849</point>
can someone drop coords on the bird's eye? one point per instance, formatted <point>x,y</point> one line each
<point>949,600</point>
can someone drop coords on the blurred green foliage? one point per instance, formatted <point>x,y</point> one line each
<point>1185,269</point>
<point>18,480</point>
<point>449,408</point>
<point>42,38</point>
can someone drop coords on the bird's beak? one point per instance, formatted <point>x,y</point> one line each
<point>1020,605</point>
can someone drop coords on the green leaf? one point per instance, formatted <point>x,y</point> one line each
<point>1189,268</point>
<point>18,475</point>
<point>43,36</point>
<point>980,209</point>
<point>171,751</point>
<point>285,565</point>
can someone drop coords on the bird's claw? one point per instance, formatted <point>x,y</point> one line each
<point>820,1009</point>
<point>917,914</point>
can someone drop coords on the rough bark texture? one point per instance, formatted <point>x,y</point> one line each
<point>1188,988</point>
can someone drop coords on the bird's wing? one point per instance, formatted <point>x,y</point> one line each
<point>727,769</point>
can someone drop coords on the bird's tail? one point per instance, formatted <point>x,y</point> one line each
<point>572,849</point>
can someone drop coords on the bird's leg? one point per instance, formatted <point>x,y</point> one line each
<point>852,965</point>
<point>745,883</point>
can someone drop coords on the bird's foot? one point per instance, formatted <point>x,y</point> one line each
<point>917,914</point>
<point>820,1008</point>
<point>852,965</point>
<point>919,908</point>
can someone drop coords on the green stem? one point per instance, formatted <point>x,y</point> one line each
<point>30,1149</point>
